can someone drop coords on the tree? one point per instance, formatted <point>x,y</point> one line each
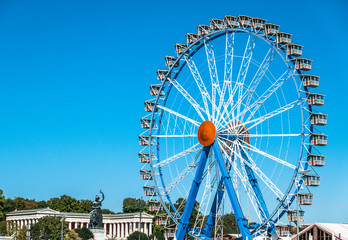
<point>22,233</point>
<point>48,227</point>
<point>131,205</point>
<point>157,236</point>
<point>2,203</point>
<point>135,236</point>
<point>3,229</point>
<point>84,233</point>
<point>230,225</point>
<point>107,211</point>
<point>180,205</point>
<point>72,234</point>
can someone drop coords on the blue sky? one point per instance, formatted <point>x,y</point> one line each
<point>74,76</point>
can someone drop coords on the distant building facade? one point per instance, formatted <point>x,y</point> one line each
<point>324,231</point>
<point>117,226</point>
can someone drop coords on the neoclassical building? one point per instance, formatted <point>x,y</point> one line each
<point>117,226</point>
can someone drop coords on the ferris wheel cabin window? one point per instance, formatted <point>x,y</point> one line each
<point>310,80</point>
<point>231,21</point>
<point>271,29</point>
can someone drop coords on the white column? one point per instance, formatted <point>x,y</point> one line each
<point>127,229</point>
<point>69,225</point>
<point>122,230</point>
<point>145,228</point>
<point>150,227</point>
<point>118,230</point>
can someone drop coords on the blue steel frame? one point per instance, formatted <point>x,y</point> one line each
<point>284,203</point>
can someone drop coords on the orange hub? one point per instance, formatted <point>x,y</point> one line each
<point>206,133</point>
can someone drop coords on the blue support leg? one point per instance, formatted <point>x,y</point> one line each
<point>254,184</point>
<point>184,221</point>
<point>209,225</point>
<point>240,219</point>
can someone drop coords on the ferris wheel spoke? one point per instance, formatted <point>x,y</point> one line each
<point>245,182</point>
<point>268,135</point>
<point>189,98</point>
<point>256,79</point>
<point>177,156</point>
<point>243,70</point>
<point>254,149</point>
<point>261,71</point>
<point>229,52</point>
<point>213,73</point>
<point>179,115</point>
<point>174,136</point>
<point>268,93</point>
<point>261,175</point>
<point>274,113</point>
<point>182,175</point>
<point>200,84</point>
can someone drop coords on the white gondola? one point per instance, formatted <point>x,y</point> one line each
<point>316,99</point>
<point>145,175</point>
<point>244,21</point>
<point>144,157</point>
<point>203,30</point>
<point>294,49</point>
<point>180,48</point>
<point>311,180</point>
<point>271,29</point>
<point>155,90</point>
<point>283,38</point>
<point>149,191</point>
<point>191,38</point>
<point>154,206</point>
<point>283,230</point>
<point>318,119</point>
<point>258,23</point>
<point>303,64</point>
<point>170,61</point>
<point>162,220</point>
<point>217,24</point>
<point>316,160</point>
<point>231,21</point>
<point>143,140</point>
<point>305,198</point>
<point>294,216</point>
<point>310,80</point>
<point>318,139</point>
<point>145,123</point>
<point>169,233</point>
<point>149,106</point>
<point>161,74</point>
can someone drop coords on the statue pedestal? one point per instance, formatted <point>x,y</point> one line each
<point>99,233</point>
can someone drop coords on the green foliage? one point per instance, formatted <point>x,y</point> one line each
<point>22,234</point>
<point>107,211</point>
<point>3,228</point>
<point>135,236</point>
<point>2,203</point>
<point>230,225</point>
<point>48,227</point>
<point>157,236</point>
<point>131,205</point>
<point>84,233</point>
<point>180,205</point>
<point>72,234</point>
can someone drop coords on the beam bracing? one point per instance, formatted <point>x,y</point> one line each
<point>240,219</point>
<point>184,221</point>
<point>256,188</point>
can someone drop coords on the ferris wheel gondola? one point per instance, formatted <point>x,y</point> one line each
<point>232,126</point>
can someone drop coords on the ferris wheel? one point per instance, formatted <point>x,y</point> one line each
<point>231,127</point>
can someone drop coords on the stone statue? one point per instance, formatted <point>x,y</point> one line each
<point>96,219</point>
